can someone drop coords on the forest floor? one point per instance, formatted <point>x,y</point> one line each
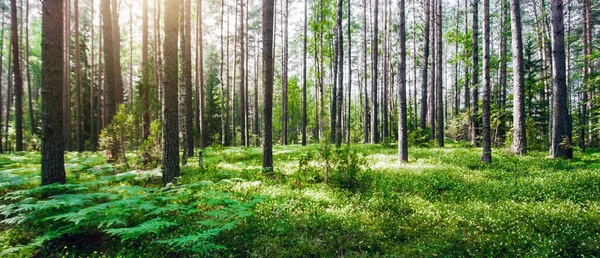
<point>445,201</point>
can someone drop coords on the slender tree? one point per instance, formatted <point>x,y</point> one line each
<point>199,99</point>
<point>374,71</point>
<point>109,71</point>
<point>439,107</point>
<point>170,159</point>
<point>349,88</point>
<point>118,91</point>
<point>243,138</point>
<point>366,121</point>
<point>475,75</point>
<point>423,114</point>
<point>340,86</point>
<point>78,106</point>
<point>187,79</point>
<point>487,141</point>
<point>53,168</point>
<point>284,74</point>
<point>145,89</point>
<point>267,53</point>
<point>519,138</point>
<point>561,131</point>
<point>402,118</point>
<point>1,74</point>
<point>67,77</point>
<point>32,121</point>
<point>18,77</point>
<point>304,48</point>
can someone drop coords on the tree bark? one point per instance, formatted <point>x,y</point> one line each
<point>32,121</point>
<point>1,74</point>
<point>187,78</point>
<point>402,119</point>
<point>243,139</point>
<point>423,115</point>
<point>199,102</point>
<point>561,131</point>
<point>170,159</point>
<point>519,143</point>
<point>18,77</point>
<point>109,70</point>
<point>284,75</point>
<point>53,169</point>
<point>340,86</point>
<point>439,82</point>
<point>366,121</point>
<point>78,106</point>
<point>304,84</point>
<point>118,91</point>
<point>475,75</point>
<point>267,53</point>
<point>374,60</point>
<point>487,141</point>
<point>145,88</point>
<point>67,77</point>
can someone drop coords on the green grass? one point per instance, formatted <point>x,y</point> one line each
<point>444,202</point>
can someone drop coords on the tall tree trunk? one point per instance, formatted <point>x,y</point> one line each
<point>93,110</point>
<point>255,129</point>
<point>267,52</point>
<point>109,70</point>
<point>340,86</point>
<point>561,131</point>
<point>414,29</point>
<point>475,75</point>
<point>1,75</point>
<point>145,89</point>
<point>9,94</point>
<point>374,60</point>
<point>439,88</point>
<point>223,119</point>
<point>402,119</point>
<point>170,159</point>
<point>227,138</point>
<point>467,74</point>
<point>32,121</point>
<point>78,107</point>
<point>53,168</point>
<point>117,53</point>
<point>284,75</point>
<point>366,121</point>
<point>501,101</point>
<point>487,141</point>
<point>187,78</point>
<point>456,89</point>
<point>244,140</point>
<point>423,115</point>
<point>199,102</point>
<point>100,97</point>
<point>519,144</point>
<point>67,77</point>
<point>432,78</point>
<point>130,95</point>
<point>384,104</point>
<point>349,89</point>
<point>18,77</point>
<point>304,84</point>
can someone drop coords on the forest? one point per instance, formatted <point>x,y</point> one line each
<point>297,128</point>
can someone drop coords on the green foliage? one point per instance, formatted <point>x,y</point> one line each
<point>126,212</point>
<point>117,135</point>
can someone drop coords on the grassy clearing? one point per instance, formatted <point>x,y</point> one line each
<point>444,202</point>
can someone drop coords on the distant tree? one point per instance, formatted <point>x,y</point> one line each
<point>1,73</point>
<point>170,159</point>
<point>144,91</point>
<point>116,38</point>
<point>475,75</point>
<point>439,106</point>
<point>18,76</point>
<point>243,136</point>
<point>340,87</point>
<point>284,75</point>
<point>519,139</point>
<point>187,80</point>
<point>78,82</point>
<point>53,168</point>
<point>304,85</point>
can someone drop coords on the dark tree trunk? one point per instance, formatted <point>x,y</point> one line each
<point>78,106</point>
<point>227,137</point>
<point>243,139</point>
<point>304,84</point>
<point>402,119</point>
<point>519,144</point>
<point>32,121</point>
<point>145,89</point>
<point>475,75</point>
<point>423,115</point>
<point>366,121</point>
<point>109,70</point>
<point>187,80</point>
<point>349,89</point>
<point>284,75</point>
<point>374,71</point>
<point>340,86</point>
<point>487,141</point>
<point>170,159</point>
<point>267,52</point>
<point>561,131</point>
<point>1,73</point>
<point>53,168</point>
<point>18,77</point>
<point>439,107</point>
<point>67,77</point>
<point>199,98</point>
<point>118,91</point>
